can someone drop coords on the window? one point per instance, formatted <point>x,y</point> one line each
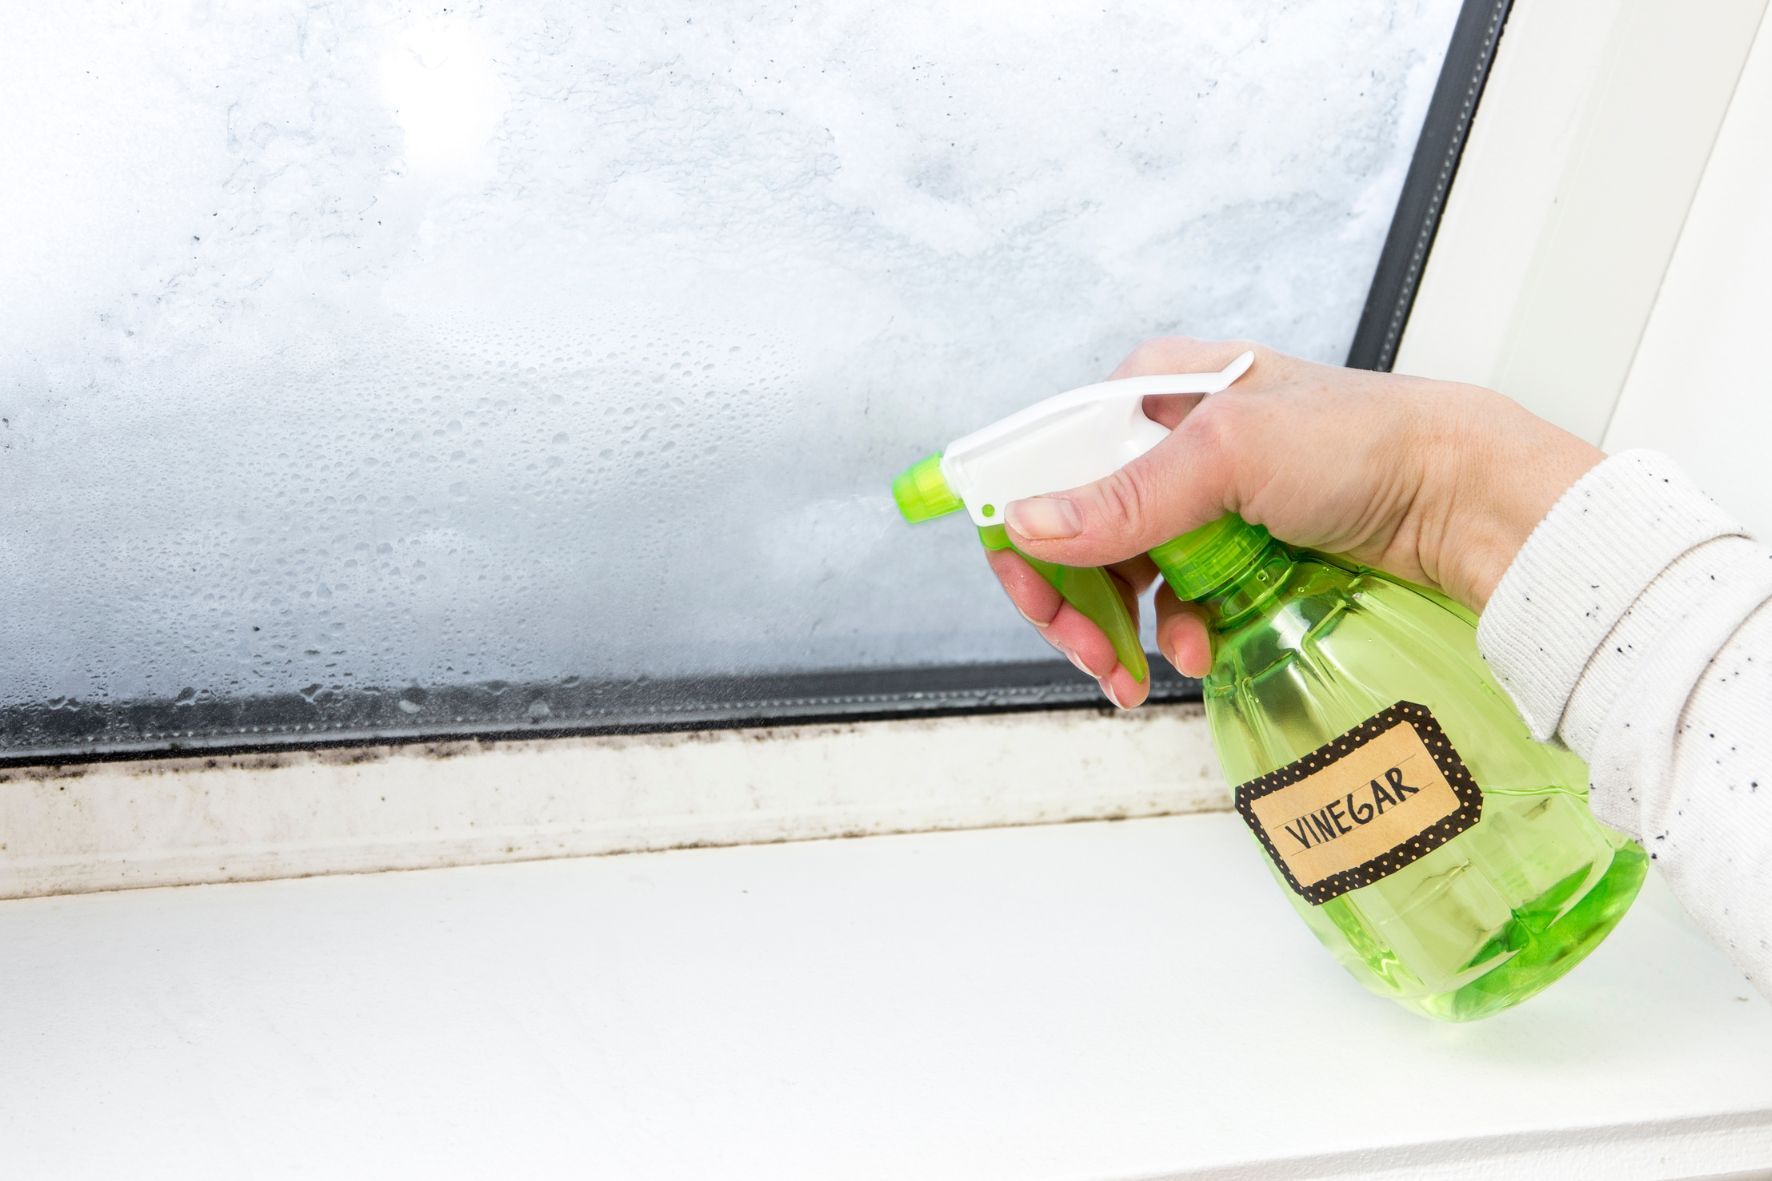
<point>372,371</point>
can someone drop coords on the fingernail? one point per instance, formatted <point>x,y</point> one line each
<point>1107,687</point>
<point>1077,661</point>
<point>1044,518</point>
<point>1035,622</point>
<point>1170,652</point>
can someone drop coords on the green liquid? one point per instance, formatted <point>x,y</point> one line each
<point>1305,650</point>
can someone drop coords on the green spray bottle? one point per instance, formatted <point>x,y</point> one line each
<point>1448,861</point>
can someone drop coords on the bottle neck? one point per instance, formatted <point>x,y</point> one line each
<point>1252,591</point>
<point>1231,568</point>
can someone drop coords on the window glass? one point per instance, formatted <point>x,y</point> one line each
<point>374,365</point>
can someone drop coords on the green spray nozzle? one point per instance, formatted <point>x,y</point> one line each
<point>922,492</point>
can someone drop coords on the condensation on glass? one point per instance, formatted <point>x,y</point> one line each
<point>370,365</point>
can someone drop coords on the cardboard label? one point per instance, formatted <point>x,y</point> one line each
<point>1363,806</point>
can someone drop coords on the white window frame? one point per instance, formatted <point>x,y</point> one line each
<point>248,816</point>
<point>1595,127</point>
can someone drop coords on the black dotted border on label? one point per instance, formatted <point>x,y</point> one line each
<point>1470,800</point>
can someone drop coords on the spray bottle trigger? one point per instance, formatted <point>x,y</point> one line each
<point>1091,590</point>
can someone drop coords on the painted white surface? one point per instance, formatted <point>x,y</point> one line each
<point>1587,147</point>
<point>1701,388</point>
<point>170,822</point>
<point>1128,1000</point>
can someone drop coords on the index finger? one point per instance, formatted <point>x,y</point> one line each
<point>1077,637</point>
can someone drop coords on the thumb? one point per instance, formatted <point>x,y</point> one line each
<point>1180,484</point>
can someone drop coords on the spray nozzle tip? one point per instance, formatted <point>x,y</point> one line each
<point>922,492</point>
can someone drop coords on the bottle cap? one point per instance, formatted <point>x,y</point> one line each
<point>1202,560</point>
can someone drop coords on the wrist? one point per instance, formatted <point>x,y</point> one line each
<point>1495,472</point>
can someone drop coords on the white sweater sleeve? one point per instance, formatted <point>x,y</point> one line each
<point>1636,625</point>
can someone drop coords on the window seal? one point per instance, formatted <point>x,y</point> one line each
<point>496,710</point>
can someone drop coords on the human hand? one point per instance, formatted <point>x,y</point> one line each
<point>1435,482</point>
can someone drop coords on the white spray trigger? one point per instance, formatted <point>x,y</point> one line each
<point>1069,439</point>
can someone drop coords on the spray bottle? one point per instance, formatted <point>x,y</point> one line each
<point>1448,860</point>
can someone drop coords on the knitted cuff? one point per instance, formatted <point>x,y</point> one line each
<point>1609,536</point>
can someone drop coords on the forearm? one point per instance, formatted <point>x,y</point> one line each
<point>1636,625</point>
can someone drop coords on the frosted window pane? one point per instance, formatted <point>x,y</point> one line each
<point>361,349</point>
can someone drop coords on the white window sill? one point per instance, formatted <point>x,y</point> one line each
<point>1109,1000</point>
